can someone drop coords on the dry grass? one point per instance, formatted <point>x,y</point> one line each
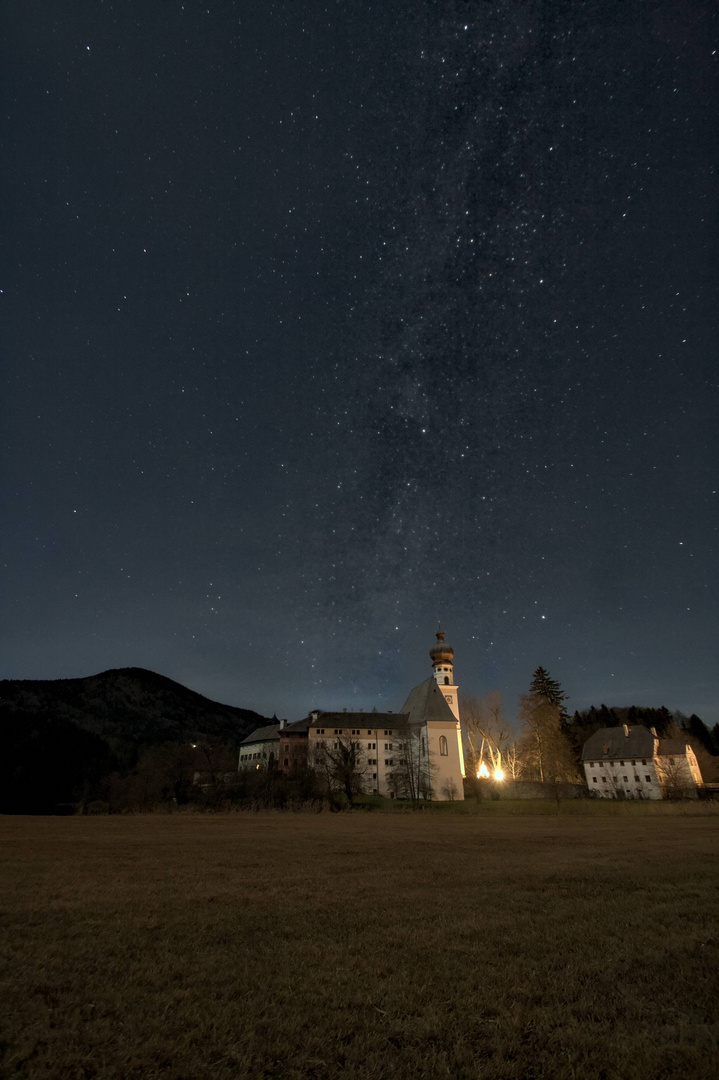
<point>360,946</point>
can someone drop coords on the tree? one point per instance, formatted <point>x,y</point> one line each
<point>674,777</point>
<point>512,763</point>
<point>695,726</point>
<point>414,770</point>
<point>546,749</point>
<point>343,764</point>
<point>543,685</point>
<point>715,738</point>
<point>450,790</point>
<point>488,733</point>
<point>695,733</point>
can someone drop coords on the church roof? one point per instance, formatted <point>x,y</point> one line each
<point>426,702</point>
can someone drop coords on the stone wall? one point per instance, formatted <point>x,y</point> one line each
<point>523,789</point>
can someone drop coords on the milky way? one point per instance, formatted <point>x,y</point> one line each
<point>328,321</point>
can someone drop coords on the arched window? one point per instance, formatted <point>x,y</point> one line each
<point>446,681</point>
<point>443,746</point>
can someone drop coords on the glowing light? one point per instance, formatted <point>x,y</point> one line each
<point>498,774</point>
<point>482,771</point>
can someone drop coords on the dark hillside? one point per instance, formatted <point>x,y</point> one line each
<point>128,708</point>
<point>46,762</point>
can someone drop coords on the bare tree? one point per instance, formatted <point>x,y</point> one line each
<point>342,762</point>
<point>489,734</point>
<point>450,790</point>
<point>545,747</point>
<point>674,777</point>
<point>512,761</point>
<point>413,774</point>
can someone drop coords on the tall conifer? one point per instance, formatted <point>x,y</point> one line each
<point>543,685</point>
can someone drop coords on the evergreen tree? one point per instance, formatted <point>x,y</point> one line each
<point>608,717</point>
<point>696,727</point>
<point>715,738</point>
<point>544,686</point>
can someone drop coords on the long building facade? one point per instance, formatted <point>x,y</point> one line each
<point>415,753</point>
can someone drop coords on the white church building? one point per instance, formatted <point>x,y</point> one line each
<point>415,753</point>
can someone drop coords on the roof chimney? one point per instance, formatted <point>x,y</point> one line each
<point>626,730</point>
<point>283,725</point>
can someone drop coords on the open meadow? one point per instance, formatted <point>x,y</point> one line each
<point>497,944</point>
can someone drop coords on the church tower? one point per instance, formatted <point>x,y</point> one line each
<point>442,656</point>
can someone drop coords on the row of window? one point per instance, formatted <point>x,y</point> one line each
<point>626,779</point>
<point>443,749</point>
<point>355,731</point>
<point>369,746</point>
<point>602,764</point>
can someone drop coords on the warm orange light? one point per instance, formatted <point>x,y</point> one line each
<point>482,771</point>
<point>498,774</point>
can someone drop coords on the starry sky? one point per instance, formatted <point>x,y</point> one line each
<point>325,320</point>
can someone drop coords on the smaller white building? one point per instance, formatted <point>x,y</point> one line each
<point>632,762</point>
<point>261,746</point>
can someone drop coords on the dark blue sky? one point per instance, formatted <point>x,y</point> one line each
<point>325,320</point>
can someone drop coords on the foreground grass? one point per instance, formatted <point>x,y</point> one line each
<point>360,946</point>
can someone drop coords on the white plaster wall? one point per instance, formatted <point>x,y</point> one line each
<point>444,769</point>
<point>451,696</point>
<point>681,770</point>
<point>264,749</point>
<point>390,748</point>
<point>372,749</point>
<point>615,773</point>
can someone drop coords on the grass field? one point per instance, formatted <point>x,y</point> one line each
<point>395,946</point>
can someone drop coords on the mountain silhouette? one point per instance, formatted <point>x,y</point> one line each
<point>60,735</point>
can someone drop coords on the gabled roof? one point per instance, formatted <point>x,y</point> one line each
<point>619,742</point>
<point>672,748</point>
<point>426,702</point>
<point>297,727</point>
<point>263,734</point>
<point>369,720</point>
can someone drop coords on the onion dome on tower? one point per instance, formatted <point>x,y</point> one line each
<point>442,656</point>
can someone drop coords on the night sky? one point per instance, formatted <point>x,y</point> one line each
<point>325,320</point>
